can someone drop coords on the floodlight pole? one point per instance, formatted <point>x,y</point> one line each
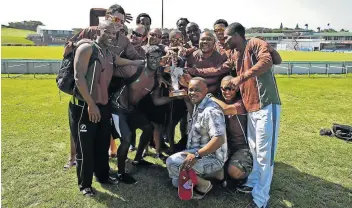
<point>162,14</point>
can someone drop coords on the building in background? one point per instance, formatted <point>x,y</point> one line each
<point>309,41</point>
<point>50,36</point>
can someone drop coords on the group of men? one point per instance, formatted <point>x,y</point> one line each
<point>229,120</point>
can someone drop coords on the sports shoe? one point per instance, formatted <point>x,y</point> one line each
<point>89,192</point>
<point>142,163</point>
<point>109,181</point>
<point>132,148</point>
<point>125,178</point>
<point>69,164</point>
<point>252,205</point>
<point>160,156</point>
<point>245,189</point>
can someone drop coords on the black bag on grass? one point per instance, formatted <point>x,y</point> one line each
<point>340,131</point>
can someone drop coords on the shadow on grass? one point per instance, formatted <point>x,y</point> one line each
<point>290,188</point>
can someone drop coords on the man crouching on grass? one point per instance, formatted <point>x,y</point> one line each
<point>206,150</point>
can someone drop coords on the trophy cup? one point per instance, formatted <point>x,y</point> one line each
<point>175,73</point>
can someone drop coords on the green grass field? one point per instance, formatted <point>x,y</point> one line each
<point>311,171</point>
<point>15,36</point>
<point>55,52</point>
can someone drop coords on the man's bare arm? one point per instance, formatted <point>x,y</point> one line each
<point>225,68</point>
<point>123,62</point>
<point>214,144</point>
<point>227,109</point>
<point>159,100</point>
<point>81,62</point>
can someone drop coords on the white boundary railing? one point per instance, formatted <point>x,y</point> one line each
<point>20,67</point>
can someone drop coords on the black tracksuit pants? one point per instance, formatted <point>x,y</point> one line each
<point>92,143</point>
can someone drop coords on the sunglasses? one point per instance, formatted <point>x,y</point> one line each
<point>137,34</point>
<point>115,19</point>
<point>154,35</point>
<point>174,40</point>
<point>219,30</point>
<point>227,89</point>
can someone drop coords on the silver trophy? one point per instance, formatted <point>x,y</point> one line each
<point>175,73</point>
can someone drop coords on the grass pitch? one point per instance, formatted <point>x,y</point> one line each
<point>15,36</point>
<point>311,171</point>
<point>55,53</point>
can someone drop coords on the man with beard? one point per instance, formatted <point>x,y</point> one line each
<point>262,101</point>
<point>128,116</point>
<point>206,150</point>
<point>145,20</point>
<point>89,112</point>
<point>219,28</point>
<point>181,26</point>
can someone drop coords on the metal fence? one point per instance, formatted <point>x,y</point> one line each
<point>10,66</point>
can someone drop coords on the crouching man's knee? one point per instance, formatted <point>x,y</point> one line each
<point>236,173</point>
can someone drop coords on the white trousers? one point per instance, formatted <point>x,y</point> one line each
<point>263,129</point>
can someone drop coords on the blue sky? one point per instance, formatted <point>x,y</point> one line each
<point>251,13</point>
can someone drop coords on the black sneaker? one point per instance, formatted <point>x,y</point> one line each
<point>125,178</point>
<point>252,205</point>
<point>110,181</point>
<point>88,192</point>
<point>245,189</point>
<point>142,163</point>
<point>160,156</point>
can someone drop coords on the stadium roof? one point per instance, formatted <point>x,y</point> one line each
<point>332,34</point>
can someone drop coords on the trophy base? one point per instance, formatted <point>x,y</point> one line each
<point>177,93</point>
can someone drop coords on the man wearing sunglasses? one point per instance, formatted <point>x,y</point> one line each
<point>124,105</point>
<point>240,162</point>
<point>139,38</point>
<point>122,45</point>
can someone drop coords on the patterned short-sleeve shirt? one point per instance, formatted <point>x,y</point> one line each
<point>207,121</point>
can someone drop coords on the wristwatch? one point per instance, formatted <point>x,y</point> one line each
<point>209,95</point>
<point>197,155</point>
